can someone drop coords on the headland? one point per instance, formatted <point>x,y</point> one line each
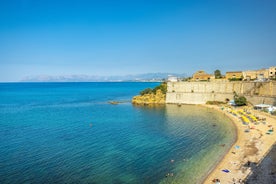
<point>156,96</point>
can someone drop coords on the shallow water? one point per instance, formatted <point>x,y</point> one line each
<point>69,133</point>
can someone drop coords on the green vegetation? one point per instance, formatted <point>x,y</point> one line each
<point>239,100</point>
<point>146,91</point>
<point>162,87</point>
<point>217,74</point>
<point>214,102</point>
<point>236,79</point>
<point>186,79</point>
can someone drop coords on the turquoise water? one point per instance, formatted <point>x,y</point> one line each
<point>69,133</point>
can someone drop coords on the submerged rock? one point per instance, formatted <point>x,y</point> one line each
<point>114,102</point>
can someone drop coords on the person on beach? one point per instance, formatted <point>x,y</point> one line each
<point>216,181</point>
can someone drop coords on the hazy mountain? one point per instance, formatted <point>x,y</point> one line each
<point>94,78</point>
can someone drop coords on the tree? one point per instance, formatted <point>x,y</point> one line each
<point>239,100</point>
<point>162,87</point>
<point>146,91</point>
<point>217,74</point>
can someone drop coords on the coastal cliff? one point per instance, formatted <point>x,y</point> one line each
<point>151,96</point>
<point>146,99</point>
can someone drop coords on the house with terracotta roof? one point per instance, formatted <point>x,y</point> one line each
<point>234,75</point>
<point>202,76</point>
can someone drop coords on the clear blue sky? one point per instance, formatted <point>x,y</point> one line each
<point>101,37</point>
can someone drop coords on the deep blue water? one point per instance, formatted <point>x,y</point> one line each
<point>69,133</point>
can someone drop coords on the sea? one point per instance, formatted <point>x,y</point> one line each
<point>70,133</point>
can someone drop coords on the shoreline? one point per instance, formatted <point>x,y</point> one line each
<point>212,107</point>
<point>250,147</point>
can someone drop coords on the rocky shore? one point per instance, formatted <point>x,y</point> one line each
<point>150,99</point>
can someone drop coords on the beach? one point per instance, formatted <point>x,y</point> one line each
<point>253,142</point>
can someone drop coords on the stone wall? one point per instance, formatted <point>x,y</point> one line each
<point>201,92</point>
<point>261,100</point>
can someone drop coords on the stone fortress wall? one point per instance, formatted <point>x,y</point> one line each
<point>201,92</point>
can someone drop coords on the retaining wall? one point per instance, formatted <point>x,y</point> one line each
<point>201,92</point>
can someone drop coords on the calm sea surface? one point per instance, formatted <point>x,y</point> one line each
<point>69,133</point>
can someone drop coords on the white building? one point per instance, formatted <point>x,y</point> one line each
<point>172,78</point>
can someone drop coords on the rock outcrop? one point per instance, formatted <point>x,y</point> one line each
<point>150,99</point>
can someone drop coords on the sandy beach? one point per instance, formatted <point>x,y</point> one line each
<point>254,141</point>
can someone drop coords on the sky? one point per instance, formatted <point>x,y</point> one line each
<point>100,37</point>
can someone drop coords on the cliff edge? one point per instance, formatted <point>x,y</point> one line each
<point>151,98</point>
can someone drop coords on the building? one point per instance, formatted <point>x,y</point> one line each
<point>234,75</point>
<point>272,72</point>
<point>172,78</point>
<point>256,74</point>
<point>202,76</point>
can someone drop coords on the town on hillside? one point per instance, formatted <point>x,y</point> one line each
<point>257,87</point>
<point>260,75</point>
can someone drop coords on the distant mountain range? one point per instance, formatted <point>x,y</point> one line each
<point>147,77</point>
